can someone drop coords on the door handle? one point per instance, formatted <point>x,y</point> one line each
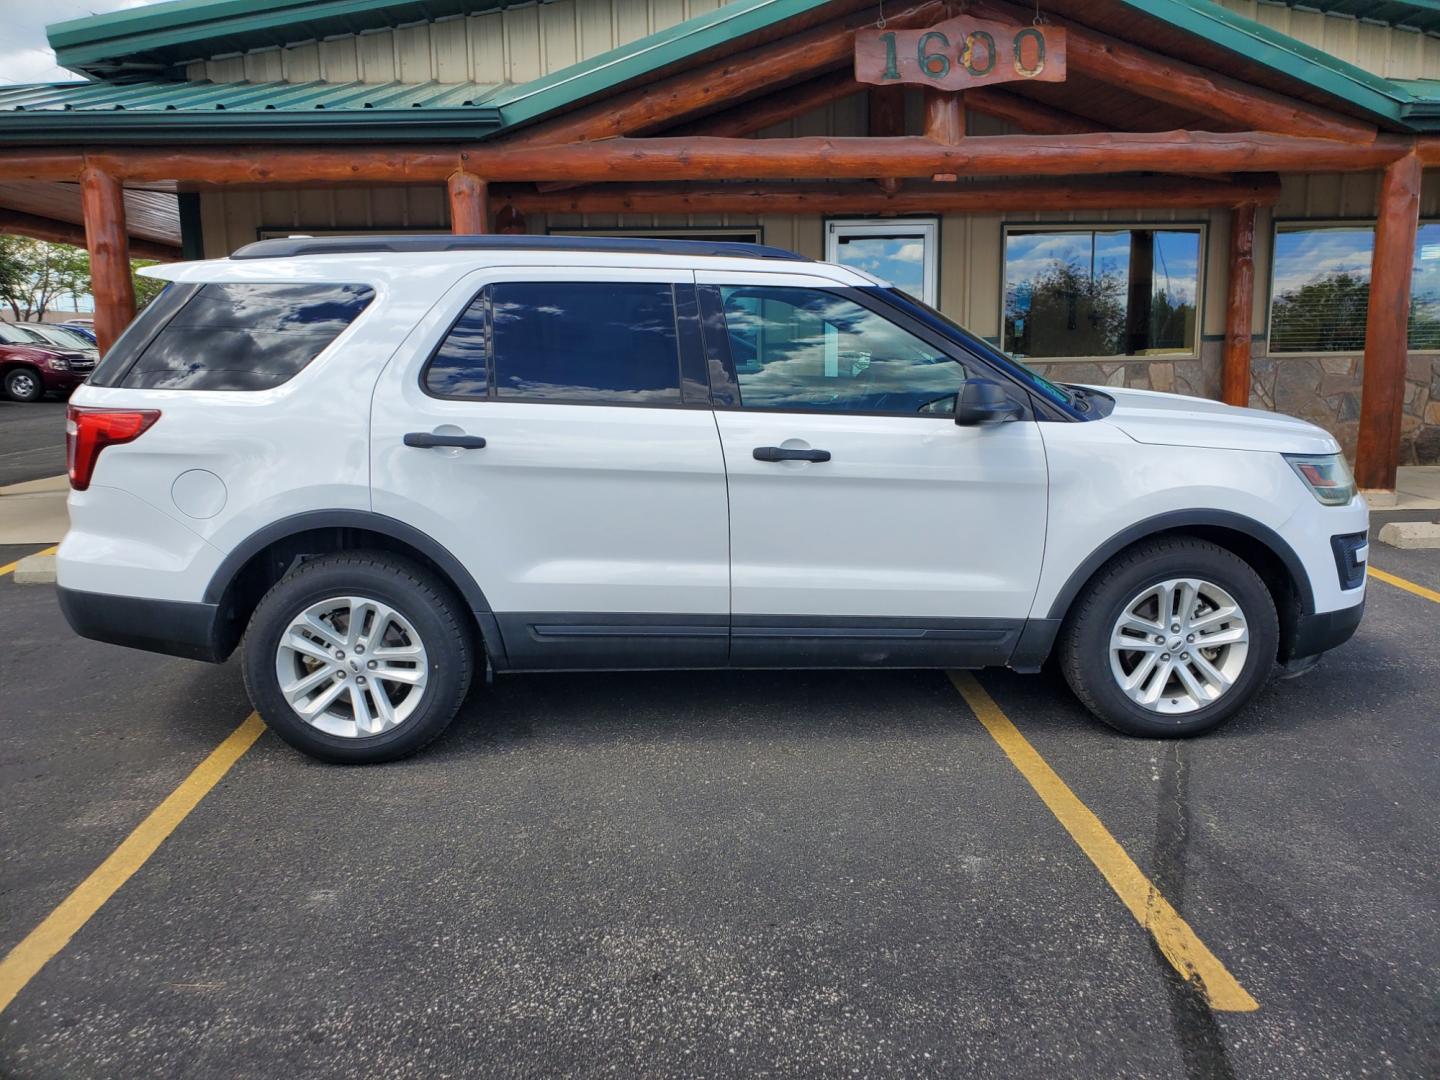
<point>424,440</point>
<point>780,453</point>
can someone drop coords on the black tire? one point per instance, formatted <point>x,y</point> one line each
<point>1085,640</point>
<point>24,384</point>
<point>431,607</point>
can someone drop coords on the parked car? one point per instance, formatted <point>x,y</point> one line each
<point>65,338</point>
<point>389,462</point>
<point>85,330</point>
<point>32,366</point>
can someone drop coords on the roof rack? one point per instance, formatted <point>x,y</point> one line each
<point>290,247</point>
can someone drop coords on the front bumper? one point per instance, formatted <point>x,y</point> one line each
<point>1322,631</point>
<point>63,382</point>
<point>174,627</point>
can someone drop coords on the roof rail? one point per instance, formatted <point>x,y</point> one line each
<point>293,246</point>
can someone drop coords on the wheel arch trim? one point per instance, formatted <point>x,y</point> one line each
<point>1181,519</point>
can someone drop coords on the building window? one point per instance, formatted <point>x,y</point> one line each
<point>1101,292</point>
<point>1320,289</point>
<point>904,253</point>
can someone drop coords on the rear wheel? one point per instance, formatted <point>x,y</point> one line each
<point>1170,639</point>
<point>358,657</point>
<point>24,384</point>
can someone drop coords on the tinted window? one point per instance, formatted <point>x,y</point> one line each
<point>458,368</point>
<point>597,342</point>
<point>812,349</point>
<point>246,337</point>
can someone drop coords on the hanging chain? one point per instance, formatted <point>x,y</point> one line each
<point>880,22</point>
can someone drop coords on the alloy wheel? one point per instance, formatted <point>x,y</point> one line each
<point>352,666</point>
<point>1179,646</point>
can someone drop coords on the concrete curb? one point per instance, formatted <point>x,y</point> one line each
<point>35,570</point>
<point>1411,535</point>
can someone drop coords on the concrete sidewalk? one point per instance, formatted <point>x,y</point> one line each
<point>34,512</point>
<point>1417,487</point>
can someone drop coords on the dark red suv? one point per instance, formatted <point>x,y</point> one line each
<point>30,369</point>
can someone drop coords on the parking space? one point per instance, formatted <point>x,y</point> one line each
<point>745,874</point>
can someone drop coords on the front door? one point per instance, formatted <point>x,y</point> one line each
<point>593,517</point>
<point>866,527</point>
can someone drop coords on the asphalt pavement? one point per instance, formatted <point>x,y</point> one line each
<point>32,440</point>
<point>728,874</point>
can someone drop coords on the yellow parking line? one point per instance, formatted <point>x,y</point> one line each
<point>9,568</point>
<point>1398,582</point>
<point>54,933</point>
<point>1186,952</point>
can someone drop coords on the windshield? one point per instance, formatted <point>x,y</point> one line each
<point>1052,392</point>
<point>61,336</point>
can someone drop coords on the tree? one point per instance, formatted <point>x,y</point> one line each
<point>34,275</point>
<point>1065,310</point>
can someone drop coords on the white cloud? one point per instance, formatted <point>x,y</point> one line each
<point>25,55</point>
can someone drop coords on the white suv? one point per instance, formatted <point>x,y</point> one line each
<point>386,460</point>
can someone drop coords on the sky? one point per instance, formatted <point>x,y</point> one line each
<point>25,57</point>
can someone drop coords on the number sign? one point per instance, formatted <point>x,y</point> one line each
<point>961,52</point>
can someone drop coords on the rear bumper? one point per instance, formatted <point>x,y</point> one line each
<point>173,627</point>
<point>1323,631</point>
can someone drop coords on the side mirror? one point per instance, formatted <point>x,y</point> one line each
<point>984,401</point>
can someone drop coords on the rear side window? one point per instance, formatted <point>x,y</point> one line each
<point>245,337</point>
<point>597,343</point>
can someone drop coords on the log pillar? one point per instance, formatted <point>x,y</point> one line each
<point>944,122</point>
<point>1382,400</point>
<point>102,199</point>
<point>1239,307</point>
<point>469,212</point>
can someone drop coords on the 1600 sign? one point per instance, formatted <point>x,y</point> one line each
<point>960,53</point>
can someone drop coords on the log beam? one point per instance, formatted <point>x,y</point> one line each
<point>469,212</point>
<point>1382,400</point>
<point>1239,307</point>
<point>102,198</point>
<point>863,198</point>
<point>643,160</point>
<point>51,230</point>
<point>774,109</point>
<point>1029,116</point>
<point>1175,82</point>
<point>720,83</point>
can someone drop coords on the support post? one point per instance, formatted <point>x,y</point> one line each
<point>1239,307</point>
<point>102,199</point>
<point>944,122</point>
<point>1377,453</point>
<point>469,213</point>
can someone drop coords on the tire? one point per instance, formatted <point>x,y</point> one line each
<point>24,384</point>
<point>1161,568</point>
<point>415,608</point>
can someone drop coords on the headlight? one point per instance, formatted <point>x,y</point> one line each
<point>59,363</point>
<point>1326,475</point>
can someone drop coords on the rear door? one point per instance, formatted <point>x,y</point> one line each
<point>594,516</point>
<point>866,527</point>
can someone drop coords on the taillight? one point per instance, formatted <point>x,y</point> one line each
<point>88,431</point>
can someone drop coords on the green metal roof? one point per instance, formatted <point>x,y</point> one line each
<point>164,111</point>
<point>166,33</point>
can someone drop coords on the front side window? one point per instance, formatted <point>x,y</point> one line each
<point>246,337</point>
<point>797,348</point>
<point>1101,292</point>
<point>1320,293</point>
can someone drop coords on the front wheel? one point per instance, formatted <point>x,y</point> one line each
<point>1170,639</point>
<point>358,657</point>
<point>24,384</point>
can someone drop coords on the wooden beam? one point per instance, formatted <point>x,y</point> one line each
<point>469,214</point>
<point>1085,193</point>
<point>944,122</point>
<point>723,82</point>
<point>102,198</point>
<point>1382,400</point>
<point>1239,307</point>
<point>774,109</point>
<point>648,160</point>
<point>1029,116</point>
<point>1175,82</point>
<point>19,223</point>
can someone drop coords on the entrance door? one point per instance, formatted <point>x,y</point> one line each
<point>866,527</point>
<point>593,516</point>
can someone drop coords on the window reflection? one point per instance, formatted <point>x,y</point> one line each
<point>812,349</point>
<point>1092,292</point>
<point>459,366</point>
